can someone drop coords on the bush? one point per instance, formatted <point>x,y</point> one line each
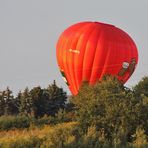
<point>46,120</point>
<point>12,122</point>
<point>20,122</point>
<point>61,117</point>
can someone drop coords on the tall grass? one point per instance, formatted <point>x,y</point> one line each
<point>64,135</point>
<point>50,136</point>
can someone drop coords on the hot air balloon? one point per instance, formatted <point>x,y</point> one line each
<point>87,51</point>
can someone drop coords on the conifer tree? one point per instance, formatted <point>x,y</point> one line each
<point>26,103</point>
<point>55,98</point>
<point>2,103</point>
<point>10,107</point>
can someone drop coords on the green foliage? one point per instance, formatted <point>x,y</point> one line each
<point>2,104</point>
<point>8,103</point>
<point>111,108</point>
<point>106,115</point>
<point>142,87</point>
<point>61,116</point>
<point>45,120</point>
<point>12,122</point>
<point>91,139</point>
<point>56,99</point>
<point>21,122</point>
<point>36,102</point>
<point>26,106</point>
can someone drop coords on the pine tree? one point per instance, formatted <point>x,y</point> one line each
<point>55,99</point>
<point>26,103</point>
<point>38,101</point>
<point>10,107</point>
<point>2,103</point>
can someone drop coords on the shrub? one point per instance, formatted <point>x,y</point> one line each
<point>45,120</point>
<point>12,122</point>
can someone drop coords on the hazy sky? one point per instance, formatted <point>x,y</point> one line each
<point>29,30</point>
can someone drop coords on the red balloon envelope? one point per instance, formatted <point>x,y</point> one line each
<point>87,51</point>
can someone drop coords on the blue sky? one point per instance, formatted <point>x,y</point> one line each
<point>29,30</point>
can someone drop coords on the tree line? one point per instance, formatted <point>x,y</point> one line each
<point>107,114</point>
<point>36,102</point>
